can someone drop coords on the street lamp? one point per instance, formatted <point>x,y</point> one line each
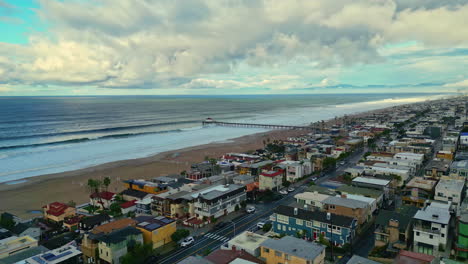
<point>329,218</point>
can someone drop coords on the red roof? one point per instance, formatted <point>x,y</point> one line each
<point>272,173</point>
<point>408,257</point>
<point>221,256</point>
<point>104,195</point>
<point>128,204</point>
<point>56,208</point>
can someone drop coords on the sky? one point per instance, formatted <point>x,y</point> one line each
<point>151,47</point>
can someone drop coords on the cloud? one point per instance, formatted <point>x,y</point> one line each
<point>460,84</point>
<point>166,44</point>
<point>5,89</point>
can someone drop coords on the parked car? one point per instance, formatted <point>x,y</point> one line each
<point>314,178</point>
<point>342,163</point>
<point>250,209</point>
<point>260,225</point>
<point>187,241</point>
<point>291,189</point>
<point>220,225</point>
<point>284,192</point>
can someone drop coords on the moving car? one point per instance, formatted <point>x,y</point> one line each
<point>250,209</point>
<point>260,225</point>
<point>314,178</point>
<point>283,192</point>
<point>187,241</point>
<point>291,189</point>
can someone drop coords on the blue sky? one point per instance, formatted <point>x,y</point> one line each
<point>122,47</point>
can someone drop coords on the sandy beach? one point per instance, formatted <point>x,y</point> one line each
<point>26,197</point>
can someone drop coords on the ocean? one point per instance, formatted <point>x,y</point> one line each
<point>43,135</point>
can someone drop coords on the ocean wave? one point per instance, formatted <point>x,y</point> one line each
<point>101,130</point>
<point>85,139</point>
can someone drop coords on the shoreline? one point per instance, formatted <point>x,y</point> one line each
<point>30,194</point>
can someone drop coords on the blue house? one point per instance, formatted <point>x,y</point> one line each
<point>311,224</point>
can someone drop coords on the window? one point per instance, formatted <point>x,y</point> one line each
<point>299,222</point>
<point>266,250</point>
<point>431,236</point>
<point>287,257</point>
<point>417,233</point>
<point>278,253</point>
<point>443,226</point>
<point>442,235</point>
<point>332,206</point>
<point>308,224</point>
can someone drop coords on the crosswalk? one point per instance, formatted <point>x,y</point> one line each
<point>217,237</point>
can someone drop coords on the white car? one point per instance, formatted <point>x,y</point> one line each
<point>260,225</point>
<point>291,189</point>
<point>187,241</point>
<point>314,178</point>
<point>250,210</point>
<point>283,192</point>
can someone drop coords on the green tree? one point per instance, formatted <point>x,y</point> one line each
<point>95,187</point>
<point>213,219</point>
<point>236,208</point>
<point>266,227</point>
<point>6,222</point>
<point>106,182</point>
<point>323,240</point>
<point>137,253</point>
<point>179,234</point>
<point>329,163</point>
<point>115,209</point>
<point>243,204</point>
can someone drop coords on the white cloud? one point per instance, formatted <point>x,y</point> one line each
<point>460,84</point>
<point>167,44</point>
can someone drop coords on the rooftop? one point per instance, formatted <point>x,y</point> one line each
<point>319,216</point>
<point>58,255</point>
<point>12,243</point>
<point>360,191</point>
<point>119,235</point>
<point>421,183</point>
<point>247,240</point>
<point>345,202</point>
<point>452,185</point>
<point>433,213</point>
<point>403,219</point>
<point>218,191</point>
<point>295,247</point>
<point>355,259</point>
<point>462,164</point>
<point>370,180</point>
<point>151,223</point>
<point>272,173</point>
<point>315,196</point>
<point>408,257</point>
<point>114,225</point>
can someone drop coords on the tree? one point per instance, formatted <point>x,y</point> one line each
<point>179,234</point>
<point>137,253</point>
<point>243,204</point>
<point>95,187</point>
<point>323,240</point>
<point>329,163</point>
<point>236,208</point>
<point>115,209</point>
<point>213,219</point>
<point>71,203</point>
<point>266,227</point>
<point>6,222</point>
<point>106,182</point>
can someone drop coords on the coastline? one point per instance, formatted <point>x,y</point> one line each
<point>25,197</point>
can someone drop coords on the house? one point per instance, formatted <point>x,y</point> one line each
<point>90,222</point>
<point>243,179</point>
<point>371,202</point>
<point>450,190</point>
<point>430,228</point>
<point>57,212</point>
<point>90,240</point>
<point>289,249</point>
<point>437,168</point>
<point>102,199</point>
<point>366,192</point>
<point>63,254</point>
<point>418,191</point>
<point>461,231</point>
<point>26,229</point>
<point>296,170</point>
<point>376,184</point>
<point>114,245</point>
<point>130,195</point>
<point>144,206</point>
<point>24,254</point>
<point>232,256</point>
<point>313,224</point>
<point>129,206</point>
<point>311,200</point>
<point>348,207</point>
<point>219,200</point>
<point>14,245</point>
<point>248,241</point>
<point>145,186</point>
<point>156,230</point>
<point>393,228</point>
<point>200,170</point>
<point>459,169</point>
<point>271,180</point>
<point>408,257</point>
<point>355,259</point>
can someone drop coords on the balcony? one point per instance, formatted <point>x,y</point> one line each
<point>426,229</point>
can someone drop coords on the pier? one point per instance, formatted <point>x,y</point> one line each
<point>210,121</point>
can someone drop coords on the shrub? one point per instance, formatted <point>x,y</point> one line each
<point>267,227</point>
<point>179,234</point>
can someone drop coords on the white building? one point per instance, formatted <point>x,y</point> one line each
<point>449,190</point>
<point>387,169</point>
<point>419,158</point>
<point>297,169</point>
<point>430,228</point>
<point>311,200</point>
<point>219,200</point>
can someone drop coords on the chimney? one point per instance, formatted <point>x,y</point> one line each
<point>344,195</point>
<point>295,211</point>
<point>234,248</point>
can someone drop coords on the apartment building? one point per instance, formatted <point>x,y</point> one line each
<point>219,200</point>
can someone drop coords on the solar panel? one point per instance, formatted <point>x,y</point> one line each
<point>153,226</point>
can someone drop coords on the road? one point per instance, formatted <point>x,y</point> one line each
<point>214,239</point>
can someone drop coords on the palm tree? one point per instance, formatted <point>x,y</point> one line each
<point>106,182</point>
<point>95,187</point>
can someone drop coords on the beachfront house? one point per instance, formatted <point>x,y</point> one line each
<point>102,199</point>
<point>57,212</point>
<point>156,230</point>
<point>219,200</point>
<point>271,180</point>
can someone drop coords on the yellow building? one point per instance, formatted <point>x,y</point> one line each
<point>291,250</point>
<point>12,245</point>
<point>145,186</point>
<point>156,230</point>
